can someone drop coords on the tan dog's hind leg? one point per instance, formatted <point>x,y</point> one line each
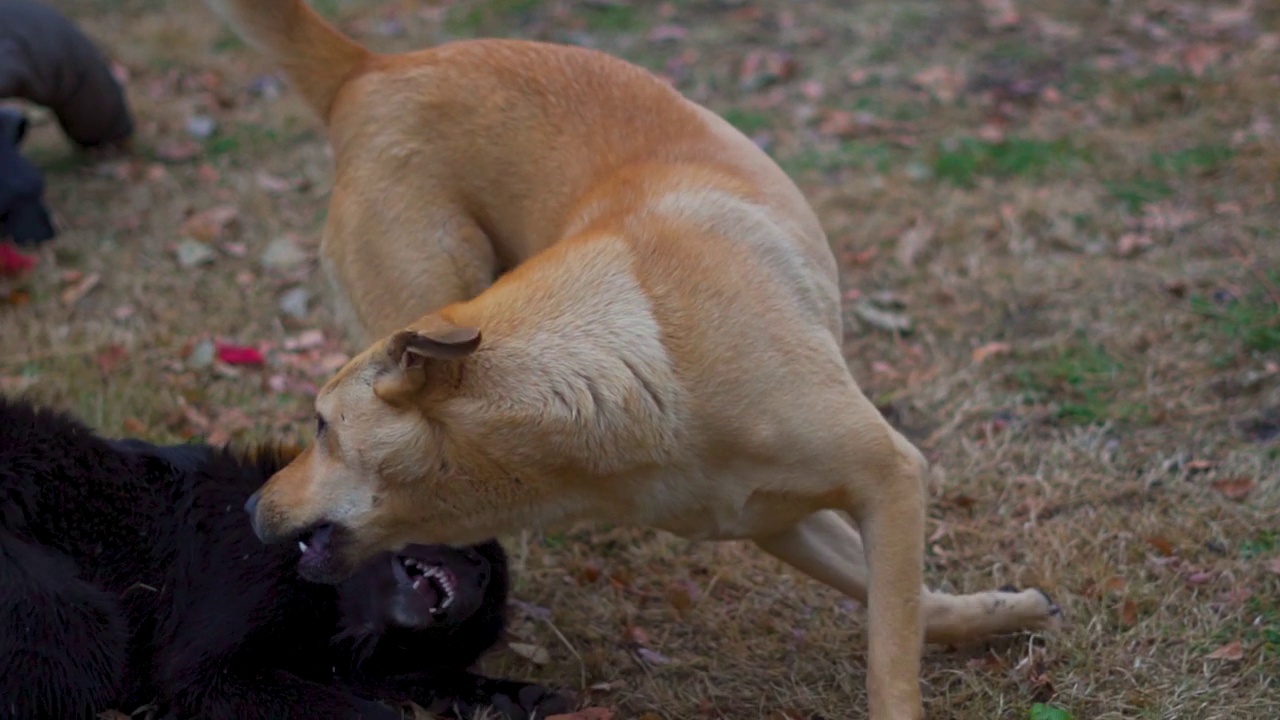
<point>826,547</point>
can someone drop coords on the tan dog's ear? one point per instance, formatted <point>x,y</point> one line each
<point>411,350</point>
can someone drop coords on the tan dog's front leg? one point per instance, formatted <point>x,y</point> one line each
<point>892,522</point>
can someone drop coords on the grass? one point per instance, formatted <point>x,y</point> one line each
<point>1081,379</point>
<point>1084,457</point>
<point>963,160</point>
<point>1248,325</point>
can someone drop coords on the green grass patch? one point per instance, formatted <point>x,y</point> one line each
<point>962,161</point>
<point>1265,544</point>
<point>877,156</point>
<point>1042,711</point>
<point>747,121</point>
<point>611,18</point>
<point>1081,381</point>
<point>1251,324</point>
<point>1135,193</point>
<point>477,19</point>
<point>1200,159</point>
<point>228,42</point>
<point>242,137</point>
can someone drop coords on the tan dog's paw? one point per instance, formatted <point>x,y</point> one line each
<point>1045,615</point>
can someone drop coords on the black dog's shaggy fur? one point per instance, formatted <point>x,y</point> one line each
<point>129,575</point>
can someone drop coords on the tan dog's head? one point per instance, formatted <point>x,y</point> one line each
<point>378,454</point>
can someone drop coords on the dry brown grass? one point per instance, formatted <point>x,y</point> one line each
<point>1116,258</point>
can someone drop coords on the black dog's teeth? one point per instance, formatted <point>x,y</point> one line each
<point>434,574</point>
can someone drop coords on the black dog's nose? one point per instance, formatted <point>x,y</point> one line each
<point>251,507</point>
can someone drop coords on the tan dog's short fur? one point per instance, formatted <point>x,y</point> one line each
<point>664,348</point>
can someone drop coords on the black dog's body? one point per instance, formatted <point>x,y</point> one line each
<point>129,575</point>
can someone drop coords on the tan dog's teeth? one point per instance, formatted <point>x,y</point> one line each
<point>302,546</point>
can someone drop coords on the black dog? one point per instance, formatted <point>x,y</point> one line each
<point>129,576</point>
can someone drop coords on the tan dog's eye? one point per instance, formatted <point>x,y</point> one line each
<point>320,425</point>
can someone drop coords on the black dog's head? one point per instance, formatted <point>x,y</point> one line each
<point>425,586</point>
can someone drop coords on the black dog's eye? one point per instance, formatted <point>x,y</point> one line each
<point>320,425</point>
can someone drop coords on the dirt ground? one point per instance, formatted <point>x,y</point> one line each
<point>1058,225</point>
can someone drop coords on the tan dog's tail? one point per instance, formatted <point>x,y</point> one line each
<point>316,57</point>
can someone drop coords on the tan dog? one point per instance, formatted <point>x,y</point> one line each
<point>665,349</point>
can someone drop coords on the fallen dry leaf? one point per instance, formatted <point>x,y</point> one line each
<point>134,426</point>
<point>178,150</point>
<point>912,242</point>
<point>637,635</point>
<point>591,713</point>
<point>14,263</point>
<point>240,355</point>
<point>111,357</point>
<point>1231,651</point>
<point>982,352</point>
<point>1129,613</point>
<point>1273,567</point>
<point>533,653</point>
<point>274,183</point>
<point>653,656</point>
<point>1162,545</point>
<point>208,225</point>
<point>1233,488</point>
<point>941,81</point>
<point>305,340</point>
<point>1131,244</point>
<point>1000,14</point>
<point>1199,57</point>
<point>73,294</point>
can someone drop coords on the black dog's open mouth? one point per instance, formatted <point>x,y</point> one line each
<point>435,583</point>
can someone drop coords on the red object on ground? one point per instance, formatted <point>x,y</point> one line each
<point>14,263</point>
<point>240,355</point>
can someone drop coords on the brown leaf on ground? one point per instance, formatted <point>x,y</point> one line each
<point>536,654</point>
<point>1162,545</point>
<point>1273,566</point>
<point>1200,57</point>
<point>109,358</point>
<point>1234,488</point>
<point>73,294</point>
<point>1131,244</point>
<point>941,81</point>
<point>209,225</point>
<point>1129,613</point>
<point>982,352</point>
<point>914,240</point>
<point>1231,651</point>
<point>591,713</point>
